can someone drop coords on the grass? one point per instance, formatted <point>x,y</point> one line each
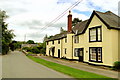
<point>76,73</point>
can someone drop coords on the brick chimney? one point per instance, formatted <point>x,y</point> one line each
<point>69,22</point>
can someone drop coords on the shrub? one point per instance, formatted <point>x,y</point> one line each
<point>116,65</point>
<point>5,48</point>
<point>43,51</point>
<point>35,50</point>
<point>28,49</point>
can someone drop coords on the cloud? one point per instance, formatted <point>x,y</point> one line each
<point>32,17</point>
<point>65,1</point>
<point>32,24</point>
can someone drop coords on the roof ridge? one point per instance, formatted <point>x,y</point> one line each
<point>107,12</point>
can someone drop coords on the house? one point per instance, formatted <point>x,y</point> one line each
<point>95,41</point>
<point>28,45</point>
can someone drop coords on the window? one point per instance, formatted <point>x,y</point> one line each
<point>76,52</point>
<point>95,54</point>
<point>76,39</point>
<point>65,50</point>
<point>95,34</point>
<point>52,42</point>
<point>58,41</point>
<point>65,40</point>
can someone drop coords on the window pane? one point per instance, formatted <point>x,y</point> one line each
<point>76,52</point>
<point>99,54</point>
<point>77,39</point>
<point>93,35</point>
<point>99,34</point>
<point>93,54</point>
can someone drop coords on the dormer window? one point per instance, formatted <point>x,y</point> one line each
<point>95,34</point>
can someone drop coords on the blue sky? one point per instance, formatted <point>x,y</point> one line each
<point>28,17</point>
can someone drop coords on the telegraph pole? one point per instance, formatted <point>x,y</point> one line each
<point>24,37</point>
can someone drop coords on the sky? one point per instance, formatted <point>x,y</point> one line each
<point>30,18</point>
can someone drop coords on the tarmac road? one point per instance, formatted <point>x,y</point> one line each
<point>17,65</point>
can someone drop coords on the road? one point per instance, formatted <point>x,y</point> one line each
<point>17,65</point>
<point>0,67</point>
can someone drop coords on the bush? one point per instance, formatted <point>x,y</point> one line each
<point>116,65</point>
<point>28,49</point>
<point>43,51</point>
<point>31,49</point>
<point>35,50</point>
<point>5,48</point>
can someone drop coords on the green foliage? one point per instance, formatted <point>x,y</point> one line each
<point>7,35</point>
<point>42,48</point>
<point>62,30</point>
<point>28,49</point>
<point>45,38</point>
<point>5,48</point>
<point>35,50</point>
<point>39,49</point>
<point>75,21</point>
<point>116,65</point>
<point>31,49</point>
<point>15,45</point>
<point>30,42</point>
<point>43,51</point>
<point>50,37</point>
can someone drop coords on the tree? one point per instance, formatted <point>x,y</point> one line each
<point>45,38</point>
<point>62,30</point>
<point>50,36</point>
<point>30,42</point>
<point>15,45</point>
<point>75,21</point>
<point>7,35</point>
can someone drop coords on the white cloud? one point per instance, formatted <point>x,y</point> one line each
<point>30,16</point>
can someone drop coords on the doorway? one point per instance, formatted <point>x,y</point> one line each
<point>53,51</point>
<point>81,54</point>
<point>58,53</point>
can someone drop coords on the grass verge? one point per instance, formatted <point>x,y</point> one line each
<point>76,73</point>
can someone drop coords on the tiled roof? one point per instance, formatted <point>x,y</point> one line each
<point>80,27</point>
<point>58,36</point>
<point>110,19</point>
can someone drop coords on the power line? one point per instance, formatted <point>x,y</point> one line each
<point>62,14</point>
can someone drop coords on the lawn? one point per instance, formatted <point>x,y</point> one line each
<point>76,73</point>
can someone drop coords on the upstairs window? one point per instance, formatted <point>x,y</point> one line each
<point>76,39</point>
<point>65,40</point>
<point>52,42</point>
<point>58,41</point>
<point>95,34</point>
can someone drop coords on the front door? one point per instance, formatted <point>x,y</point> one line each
<point>81,52</point>
<point>58,53</point>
